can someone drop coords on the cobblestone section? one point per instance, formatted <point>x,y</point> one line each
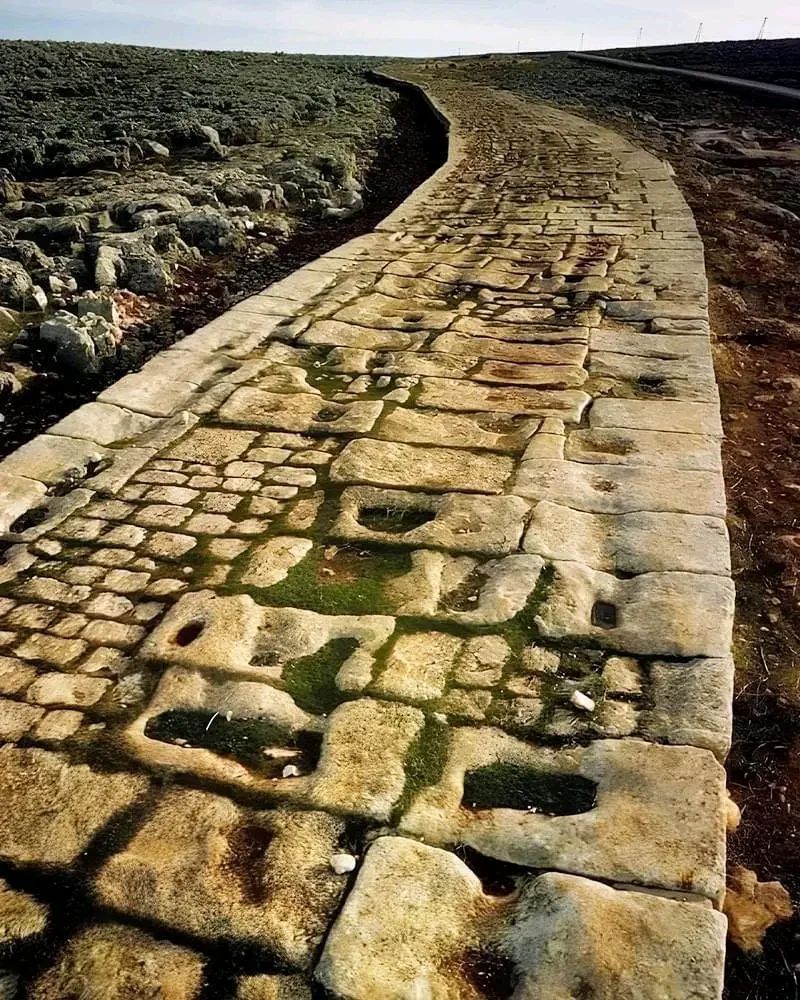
<point>373,642</point>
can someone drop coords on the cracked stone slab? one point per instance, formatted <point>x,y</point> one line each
<point>571,933</point>
<point>464,590</point>
<point>553,934</point>
<point>55,808</point>
<point>657,415</point>
<point>550,376</point>
<point>299,412</point>
<point>503,350</point>
<point>650,345</point>
<point>637,542</point>
<point>409,363</point>
<point>333,333</point>
<point>18,494</point>
<point>409,948</point>
<point>658,614</point>
<point>682,380</point>
<point>692,703</point>
<point>451,394</point>
<point>103,423</point>
<point>228,331</point>
<point>50,458</point>
<point>386,463</point>
<point>527,333</point>
<point>642,814</point>
<point>204,866</point>
<point>382,312</point>
<point>613,446</point>
<point>459,522</point>
<point>491,431</point>
<point>619,489</point>
<point>115,962</point>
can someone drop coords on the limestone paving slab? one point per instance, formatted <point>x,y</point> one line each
<point>458,522</point>
<point>553,935</point>
<point>643,814</point>
<point>637,542</point>
<point>415,556</point>
<point>387,463</point>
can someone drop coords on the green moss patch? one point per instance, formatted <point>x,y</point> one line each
<point>425,762</point>
<point>243,740</point>
<point>350,582</point>
<point>311,681</point>
<point>504,785</point>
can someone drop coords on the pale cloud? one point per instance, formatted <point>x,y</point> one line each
<point>389,27</point>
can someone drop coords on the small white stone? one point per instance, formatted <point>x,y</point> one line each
<point>343,863</point>
<point>291,771</point>
<point>582,701</point>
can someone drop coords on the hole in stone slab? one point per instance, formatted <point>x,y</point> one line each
<point>75,476</point>
<point>498,878</point>
<point>413,317</point>
<point>256,743</point>
<point>395,520</point>
<point>247,860</point>
<point>604,614</point>
<point>504,785</point>
<point>490,973</point>
<point>188,633</point>
<point>466,596</point>
<point>328,414</point>
<point>654,385</point>
<point>30,519</point>
<point>497,423</point>
<point>604,485</point>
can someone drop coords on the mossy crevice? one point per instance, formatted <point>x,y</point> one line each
<point>425,763</point>
<point>311,680</point>
<point>508,785</point>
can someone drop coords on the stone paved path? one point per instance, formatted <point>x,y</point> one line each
<point>415,561</point>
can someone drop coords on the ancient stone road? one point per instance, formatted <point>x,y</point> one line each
<point>413,564</point>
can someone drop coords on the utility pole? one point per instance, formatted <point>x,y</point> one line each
<point>580,47</point>
<point>639,38</point>
<point>699,34</point>
<point>760,35</point>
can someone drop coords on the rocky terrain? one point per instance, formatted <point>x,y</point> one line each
<point>123,169</point>
<point>774,61</point>
<point>736,161</point>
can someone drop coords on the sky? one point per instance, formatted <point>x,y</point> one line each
<point>394,27</point>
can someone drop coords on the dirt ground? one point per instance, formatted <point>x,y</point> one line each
<point>737,161</point>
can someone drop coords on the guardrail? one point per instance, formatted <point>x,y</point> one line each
<point>770,90</point>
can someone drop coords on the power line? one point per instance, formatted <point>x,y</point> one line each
<point>760,35</point>
<point>699,34</point>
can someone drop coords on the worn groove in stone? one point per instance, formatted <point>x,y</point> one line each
<point>414,564</point>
